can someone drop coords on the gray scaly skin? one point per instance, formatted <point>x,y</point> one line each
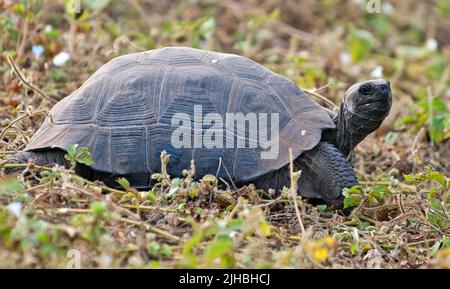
<point>325,169</point>
<point>364,107</point>
<point>42,158</point>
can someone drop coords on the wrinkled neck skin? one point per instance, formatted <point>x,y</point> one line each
<point>353,127</point>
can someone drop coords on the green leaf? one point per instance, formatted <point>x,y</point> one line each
<point>260,20</point>
<point>264,228</point>
<point>151,197</point>
<point>429,175</point>
<point>352,196</point>
<point>13,34</point>
<point>98,208</point>
<point>236,224</point>
<point>76,154</point>
<point>435,204</point>
<point>181,206</point>
<point>217,249</point>
<point>166,250</point>
<point>195,239</point>
<point>96,5</point>
<point>435,248</point>
<point>153,248</point>
<point>51,33</point>
<point>432,112</point>
<point>354,248</point>
<point>438,128</point>
<point>379,192</point>
<point>19,9</point>
<point>124,183</point>
<point>446,242</point>
<point>443,7</point>
<point>174,186</point>
<point>352,201</point>
<point>193,191</point>
<point>87,160</point>
<point>49,176</point>
<point>11,185</point>
<point>360,44</point>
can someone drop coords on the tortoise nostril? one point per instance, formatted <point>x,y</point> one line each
<point>385,88</point>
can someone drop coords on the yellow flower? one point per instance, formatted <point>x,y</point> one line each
<point>321,254</point>
<point>320,250</point>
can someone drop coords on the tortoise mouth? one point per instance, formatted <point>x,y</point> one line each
<point>376,104</point>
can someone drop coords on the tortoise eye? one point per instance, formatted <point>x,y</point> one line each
<point>365,89</point>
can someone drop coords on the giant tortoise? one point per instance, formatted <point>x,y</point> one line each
<point>124,114</point>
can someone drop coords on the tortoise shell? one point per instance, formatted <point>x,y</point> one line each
<point>123,113</point>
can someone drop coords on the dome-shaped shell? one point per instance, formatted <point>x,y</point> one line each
<point>123,114</point>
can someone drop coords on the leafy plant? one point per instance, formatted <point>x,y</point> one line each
<point>50,177</point>
<point>91,225</point>
<point>249,35</point>
<point>26,235</point>
<point>355,195</point>
<point>76,154</point>
<point>11,185</point>
<point>261,19</point>
<point>442,244</point>
<point>433,113</point>
<point>124,183</point>
<point>197,33</point>
<point>360,43</point>
<point>155,249</point>
<point>438,198</point>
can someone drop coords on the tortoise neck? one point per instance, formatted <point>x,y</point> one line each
<point>353,127</point>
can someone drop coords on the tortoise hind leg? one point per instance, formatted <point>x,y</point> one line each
<point>56,156</point>
<point>41,158</point>
<point>325,173</point>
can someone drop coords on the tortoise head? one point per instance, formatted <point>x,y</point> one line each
<point>369,99</point>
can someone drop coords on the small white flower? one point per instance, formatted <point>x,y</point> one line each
<point>431,44</point>
<point>222,223</point>
<point>303,132</point>
<point>38,50</point>
<point>105,260</point>
<point>232,234</point>
<point>15,208</point>
<point>345,58</point>
<point>377,72</point>
<point>387,8</point>
<point>61,58</point>
<point>48,28</point>
<point>394,252</point>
